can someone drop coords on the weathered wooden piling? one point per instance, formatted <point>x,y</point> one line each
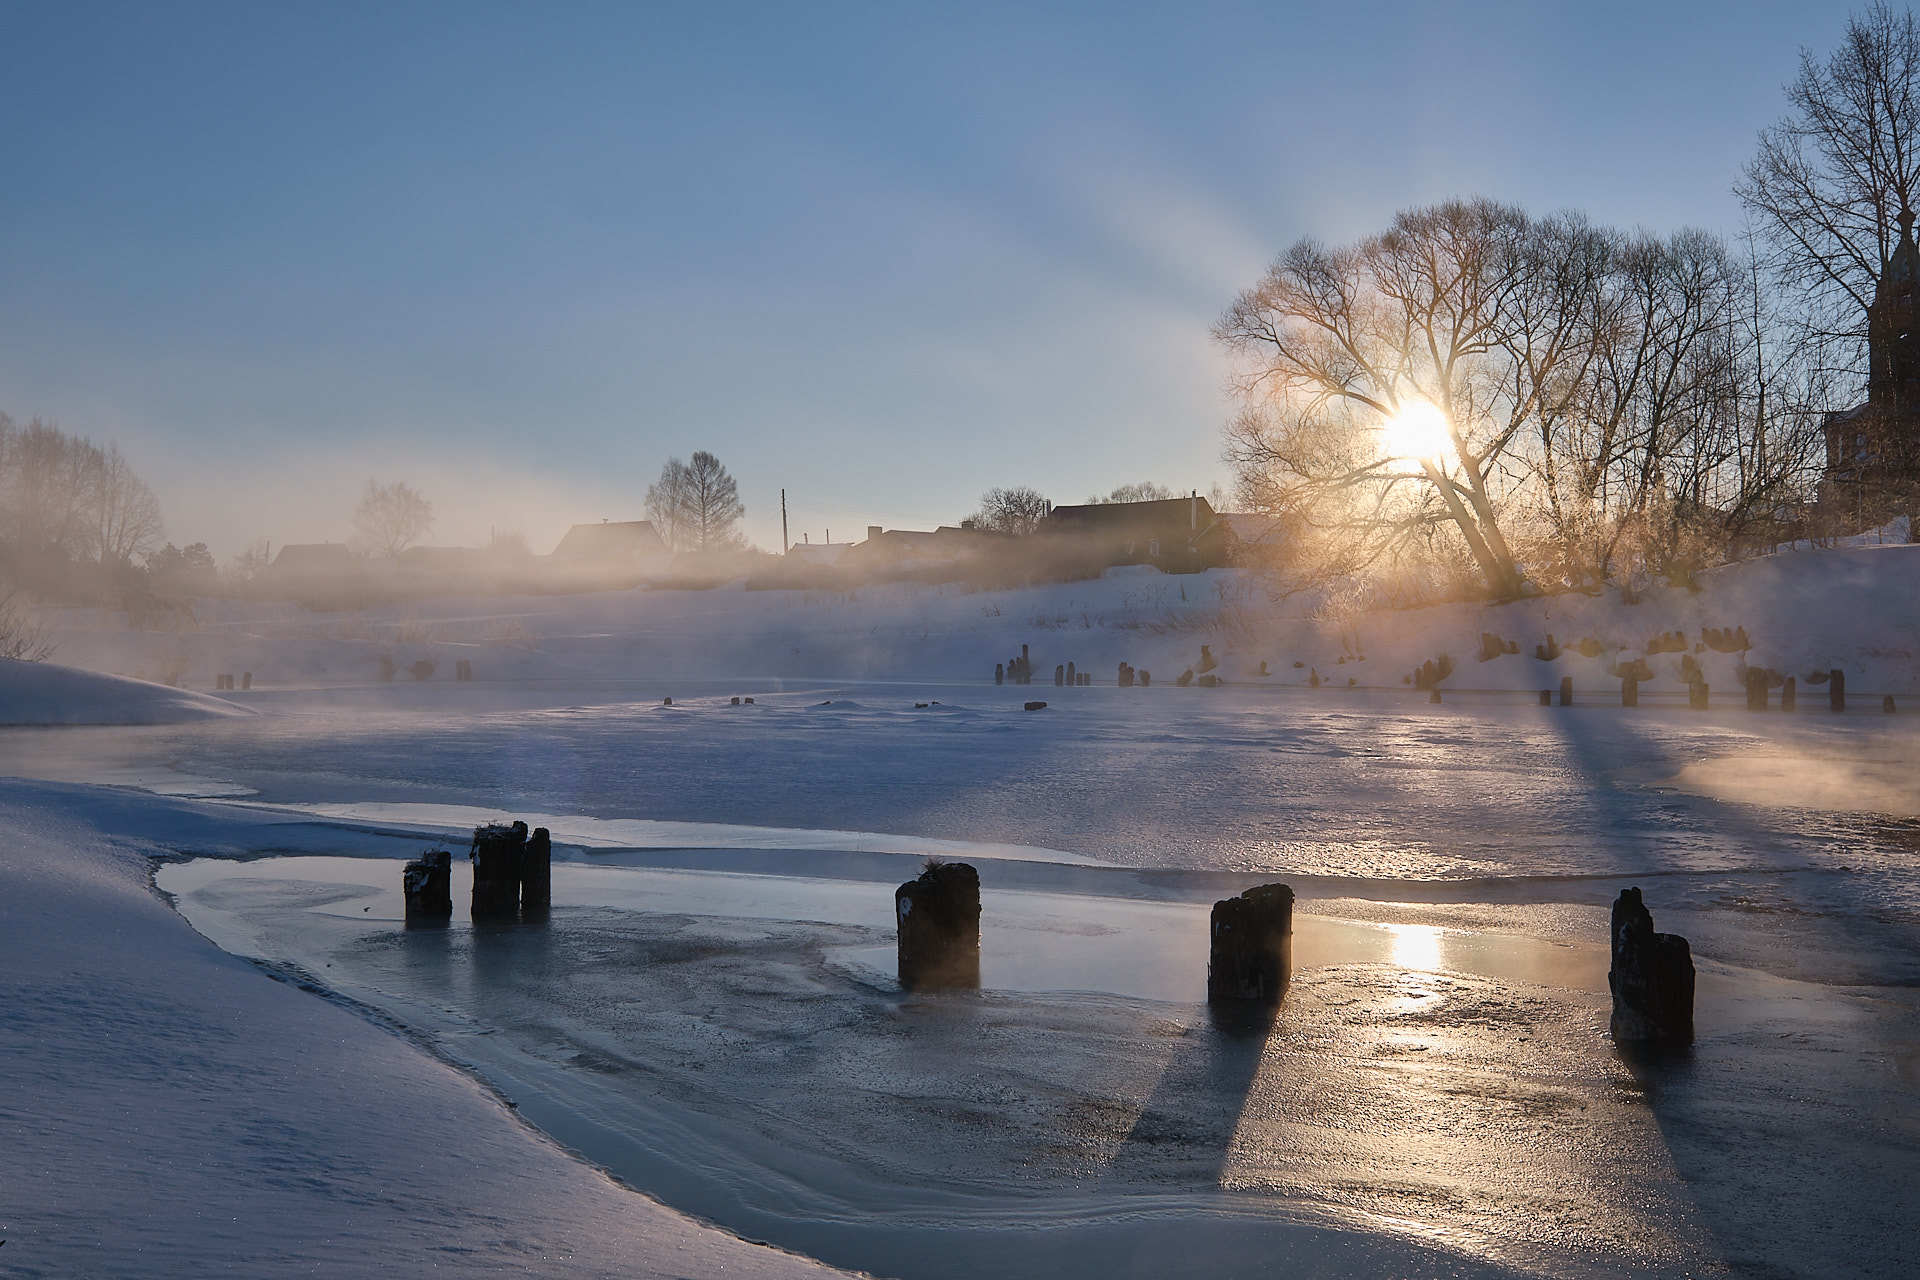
<point>1086,680</point>
<point>1145,678</point>
<point>246,679</point>
<point>1756,688</point>
<point>1434,696</point>
<point>1250,951</point>
<point>428,884</point>
<point>1036,706</point>
<point>1886,704</point>
<point>1073,676</point>
<point>999,673</point>
<point>1789,694</point>
<point>1125,676</point>
<point>536,873</point>
<point>1059,675</point>
<point>1546,697</point>
<point>1566,691</point>
<point>496,855</point>
<point>1651,978</point>
<point>937,918</point>
<point>1026,666</point>
<point>1697,695</point>
<point>1629,691</point>
<point>1837,689</point>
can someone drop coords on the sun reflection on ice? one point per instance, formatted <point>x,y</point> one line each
<point>1416,946</point>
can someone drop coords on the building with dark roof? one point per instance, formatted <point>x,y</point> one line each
<point>1178,535</point>
<point>612,544</point>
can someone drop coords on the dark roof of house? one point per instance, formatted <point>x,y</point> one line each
<point>617,540</point>
<point>1164,513</point>
<point>313,555</point>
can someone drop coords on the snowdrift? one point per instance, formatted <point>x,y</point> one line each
<point>40,693</point>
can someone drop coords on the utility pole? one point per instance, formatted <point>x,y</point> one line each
<point>783,522</point>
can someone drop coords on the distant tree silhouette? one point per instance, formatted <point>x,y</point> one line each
<point>1145,491</point>
<point>1016,511</point>
<point>391,517</point>
<point>695,506</point>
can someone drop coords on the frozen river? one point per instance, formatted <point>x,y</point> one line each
<point>715,979</point>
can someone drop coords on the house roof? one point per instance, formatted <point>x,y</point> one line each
<point>313,555</point>
<point>1189,512</point>
<point>610,540</point>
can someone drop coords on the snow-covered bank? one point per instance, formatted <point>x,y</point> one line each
<point>168,1110</point>
<point>42,693</point>
<point>1804,612</point>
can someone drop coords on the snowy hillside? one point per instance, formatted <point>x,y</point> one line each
<point>1804,612</point>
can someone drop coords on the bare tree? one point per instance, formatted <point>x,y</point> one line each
<point>1830,180</point>
<point>22,637</point>
<point>1145,491</point>
<point>1386,384</point>
<point>1017,511</point>
<point>127,513</point>
<point>695,506</point>
<point>391,517</point>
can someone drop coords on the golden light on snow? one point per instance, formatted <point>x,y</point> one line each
<point>1418,432</point>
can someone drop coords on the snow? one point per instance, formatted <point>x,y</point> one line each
<point>41,693</point>
<point>169,1110</point>
<point>711,1014</point>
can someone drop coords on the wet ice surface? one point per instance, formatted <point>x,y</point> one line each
<point>736,1044</point>
<point>735,1041</point>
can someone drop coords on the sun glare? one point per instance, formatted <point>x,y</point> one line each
<point>1417,432</point>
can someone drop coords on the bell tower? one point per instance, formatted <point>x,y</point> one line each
<point>1893,336</point>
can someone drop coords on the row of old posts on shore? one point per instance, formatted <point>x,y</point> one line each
<point>225,681</point>
<point>1071,675</point>
<point>1759,692</point>
<point>937,932</point>
<point>423,669</point>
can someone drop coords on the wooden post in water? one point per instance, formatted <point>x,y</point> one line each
<point>1566,691</point>
<point>1250,949</point>
<point>1789,695</point>
<point>1546,697</point>
<point>536,873</point>
<point>1629,691</point>
<point>1697,695</point>
<point>1756,689</point>
<point>1651,978</point>
<point>496,854</point>
<point>428,884</point>
<point>938,921</point>
<point>1837,689</point>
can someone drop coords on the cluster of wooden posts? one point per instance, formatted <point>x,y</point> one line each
<point>1250,952</point>
<point>1069,675</point>
<point>225,681</point>
<point>512,876</point>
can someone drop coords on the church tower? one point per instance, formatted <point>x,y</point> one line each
<point>1893,336</point>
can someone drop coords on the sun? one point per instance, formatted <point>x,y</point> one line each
<point>1417,432</point>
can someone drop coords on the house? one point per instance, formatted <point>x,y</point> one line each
<point>1873,449</point>
<point>1178,535</point>
<point>819,555</point>
<point>909,549</point>
<point>620,544</point>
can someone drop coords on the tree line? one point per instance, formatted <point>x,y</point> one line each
<point>1491,400</point>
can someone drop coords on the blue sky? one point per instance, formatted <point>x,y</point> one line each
<point>885,256</point>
